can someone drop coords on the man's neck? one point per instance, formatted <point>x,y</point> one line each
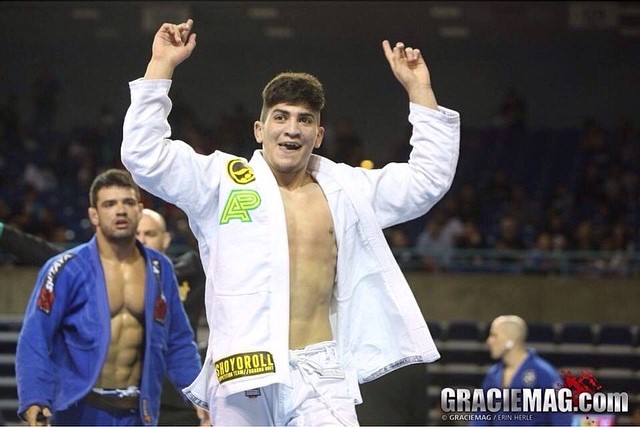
<point>293,182</point>
<point>118,249</point>
<point>514,358</point>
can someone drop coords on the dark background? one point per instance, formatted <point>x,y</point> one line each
<point>568,60</point>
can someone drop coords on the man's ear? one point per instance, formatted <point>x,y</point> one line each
<point>92,213</point>
<point>319,137</point>
<point>257,131</point>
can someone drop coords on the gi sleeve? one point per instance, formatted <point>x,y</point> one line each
<point>169,169</point>
<point>52,296</point>
<point>400,192</point>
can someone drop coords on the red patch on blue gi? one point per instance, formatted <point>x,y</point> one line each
<point>45,299</point>
<point>160,309</point>
<point>45,295</point>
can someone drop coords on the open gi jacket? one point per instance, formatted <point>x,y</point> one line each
<point>236,212</point>
<point>66,331</point>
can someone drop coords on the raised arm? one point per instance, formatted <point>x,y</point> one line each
<point>172,44</point>
<point>411,71</point>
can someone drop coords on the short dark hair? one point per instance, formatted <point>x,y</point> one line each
<point>111,178</point>
<point>293,88</point>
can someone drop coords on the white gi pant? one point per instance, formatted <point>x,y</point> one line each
<point>321,395</point>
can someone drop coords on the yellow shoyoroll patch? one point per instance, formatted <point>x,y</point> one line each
<point>244,365</point>
<point>239,171</point>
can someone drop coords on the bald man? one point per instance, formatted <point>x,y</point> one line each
<point>518,367</point>
<point>152,232</point>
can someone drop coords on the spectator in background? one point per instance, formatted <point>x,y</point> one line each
<point>436,241</point>
<point>556,227</point>
<point>469,206</point>
<point>519,367</point>
<point>583,238</point>
<point>429,245</point>
<point>449,211</point>
<point>526,211</point>
<point>509,236</point>
<point>400,245</point>
<point>471,236</point>
<point>496,194</point>
<point>562,202</point>
<point>542,257</point>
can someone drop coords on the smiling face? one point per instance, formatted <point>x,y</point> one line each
<point>288,134</point>
<point>289,126</point>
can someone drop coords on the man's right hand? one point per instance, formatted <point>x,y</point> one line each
<point>172,44</point>
<point>37,415</point>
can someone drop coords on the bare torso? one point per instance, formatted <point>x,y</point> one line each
<point>125,289</point>
<point>312,259</point>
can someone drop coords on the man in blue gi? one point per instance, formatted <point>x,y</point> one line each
<point>518,367</point>
<point>104,324</point>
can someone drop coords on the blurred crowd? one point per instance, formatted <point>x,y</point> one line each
<point>523,192</point>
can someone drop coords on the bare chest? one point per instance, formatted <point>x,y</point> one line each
<point>309,223</point>
<point>125,287</point>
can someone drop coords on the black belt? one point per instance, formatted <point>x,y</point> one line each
<point>111,402</point>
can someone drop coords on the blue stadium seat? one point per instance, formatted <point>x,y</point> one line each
<point>463,330</point>
<point>463,343</point>
<point>576,345</point>
<point>541,332</point>
<point>616,334</point>
<point>617,380</point>
<point>576,333</point>
<point>436,329</point>
<point>615,348</point>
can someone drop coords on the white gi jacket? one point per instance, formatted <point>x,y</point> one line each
<point>235,211</point>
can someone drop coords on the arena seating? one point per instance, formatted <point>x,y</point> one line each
<point>609,351</point>
<point>9,329</point>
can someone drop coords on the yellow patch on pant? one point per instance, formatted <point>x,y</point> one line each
<point>244,365</point>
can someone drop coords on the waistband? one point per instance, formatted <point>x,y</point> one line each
<point>132,390</point>
<point>322,346</point>
<point>113,399</point>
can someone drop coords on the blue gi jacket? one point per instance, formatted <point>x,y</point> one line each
<point>534,372</point>
<point>66,330</point>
